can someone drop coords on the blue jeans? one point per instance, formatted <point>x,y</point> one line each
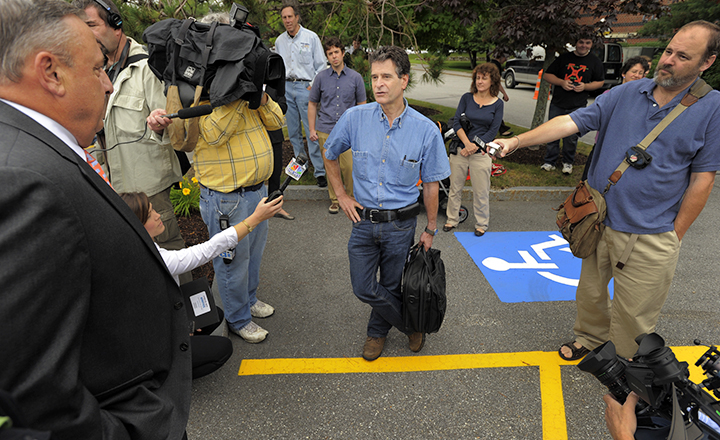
<point>384,247</point>
<point>297,96</point>
<point>552,151</point>
<point>237,281</point>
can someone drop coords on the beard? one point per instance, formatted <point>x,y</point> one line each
<point>673,81</point>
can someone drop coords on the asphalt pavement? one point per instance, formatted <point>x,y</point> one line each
<point>491,372</point>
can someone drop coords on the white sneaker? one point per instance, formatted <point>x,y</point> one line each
<point>251,333</point>
<point>547,167</point>
<point>567,168</point>
<point>261,310</point>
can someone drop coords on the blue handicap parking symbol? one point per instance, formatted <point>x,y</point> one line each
<point>525,266</point>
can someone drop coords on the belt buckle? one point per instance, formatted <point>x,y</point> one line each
<point>370,215</point>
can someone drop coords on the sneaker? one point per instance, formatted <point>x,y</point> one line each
<point>373,348</point>
<point>547,167</point>
<point>322,181</point>
<point>416,341</point>
<point>567,168</point>
<point>261,310</point>
<point>251,333</point>
<point>334,208</point>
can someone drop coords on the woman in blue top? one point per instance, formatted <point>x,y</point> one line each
<point>485,112</point>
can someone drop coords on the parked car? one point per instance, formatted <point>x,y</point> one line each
<point>611,54</point>
<point>524,69</point>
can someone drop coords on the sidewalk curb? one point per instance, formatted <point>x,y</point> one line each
<point>520,193</point>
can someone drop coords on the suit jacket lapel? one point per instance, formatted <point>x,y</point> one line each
<point>19,120</point>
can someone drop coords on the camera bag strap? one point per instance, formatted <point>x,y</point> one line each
<point>697,91</point>
<point>184,134</point>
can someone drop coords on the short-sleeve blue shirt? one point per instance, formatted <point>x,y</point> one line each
<point>389,161</point>
<point>336,93</point>
<point>647,201</point>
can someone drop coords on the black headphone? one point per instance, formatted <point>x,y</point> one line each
<point>114,20</point>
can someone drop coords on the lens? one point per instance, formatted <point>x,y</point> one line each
<point>604,364</point>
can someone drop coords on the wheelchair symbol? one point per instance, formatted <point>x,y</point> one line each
<point>500,265</point>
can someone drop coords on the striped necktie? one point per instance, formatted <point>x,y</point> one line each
<point>96,166</point>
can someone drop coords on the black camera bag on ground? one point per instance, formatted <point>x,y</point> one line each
<point>423,290</point>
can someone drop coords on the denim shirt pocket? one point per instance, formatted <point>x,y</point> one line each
<point>360,163</point>
<point>408,173</point>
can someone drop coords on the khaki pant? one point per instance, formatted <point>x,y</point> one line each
<point>640,289</point>
<point>170,239</point>
<point>480,166</point>
<point>345,162</point>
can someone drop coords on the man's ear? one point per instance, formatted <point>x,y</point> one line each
<point>709,62</point>
<point>405,80</point>
<point>50,72</point>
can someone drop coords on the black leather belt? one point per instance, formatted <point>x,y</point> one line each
<point>243,189</point>
<point>296,79</point>
<point>389,215</point>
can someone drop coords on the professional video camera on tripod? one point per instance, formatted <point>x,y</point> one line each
<point>667,396</point>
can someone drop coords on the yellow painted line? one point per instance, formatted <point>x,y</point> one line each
<point>549,363</point>
<point>391,364</point>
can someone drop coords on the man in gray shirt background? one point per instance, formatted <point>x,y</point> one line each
<point>336,90</point>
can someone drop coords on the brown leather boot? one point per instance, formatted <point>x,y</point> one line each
<point>417,340</point>
<point>373,348</point>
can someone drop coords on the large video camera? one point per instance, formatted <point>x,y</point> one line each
<point>227,61</point>
<point>662,383</point>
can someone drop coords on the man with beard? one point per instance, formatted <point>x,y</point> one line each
<point>656,204</point>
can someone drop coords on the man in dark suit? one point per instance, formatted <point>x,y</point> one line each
<point>95,339</point>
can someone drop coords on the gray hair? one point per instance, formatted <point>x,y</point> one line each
<point>220,17</point>
<point>398,56</point>
<point>28,26</point>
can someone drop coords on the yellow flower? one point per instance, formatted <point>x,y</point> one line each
<point>194,180</point>
<point>186,191</point>
<point>180,183</point>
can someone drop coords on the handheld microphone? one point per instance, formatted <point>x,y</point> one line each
<point>192,112</point>
<point>294,170</point>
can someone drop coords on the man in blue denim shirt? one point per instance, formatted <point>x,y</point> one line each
<point>392,146</point>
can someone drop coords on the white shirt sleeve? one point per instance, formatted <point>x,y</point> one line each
<point>187,259</point>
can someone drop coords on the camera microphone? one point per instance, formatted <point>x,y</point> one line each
<point>294,170</point>
<point>192,112</point>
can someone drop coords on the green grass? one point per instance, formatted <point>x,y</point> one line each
<point>517,174</point>
<point>460,66</point>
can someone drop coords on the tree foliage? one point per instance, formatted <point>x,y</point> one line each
<point>553,23</point>
<point>679,15</point>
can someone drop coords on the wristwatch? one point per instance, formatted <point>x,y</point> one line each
<point>431,232</point>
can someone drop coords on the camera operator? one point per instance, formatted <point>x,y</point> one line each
<point>620,418</point>
<point>148,163</point>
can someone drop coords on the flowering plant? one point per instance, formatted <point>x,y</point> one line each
<point>186,197</point>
